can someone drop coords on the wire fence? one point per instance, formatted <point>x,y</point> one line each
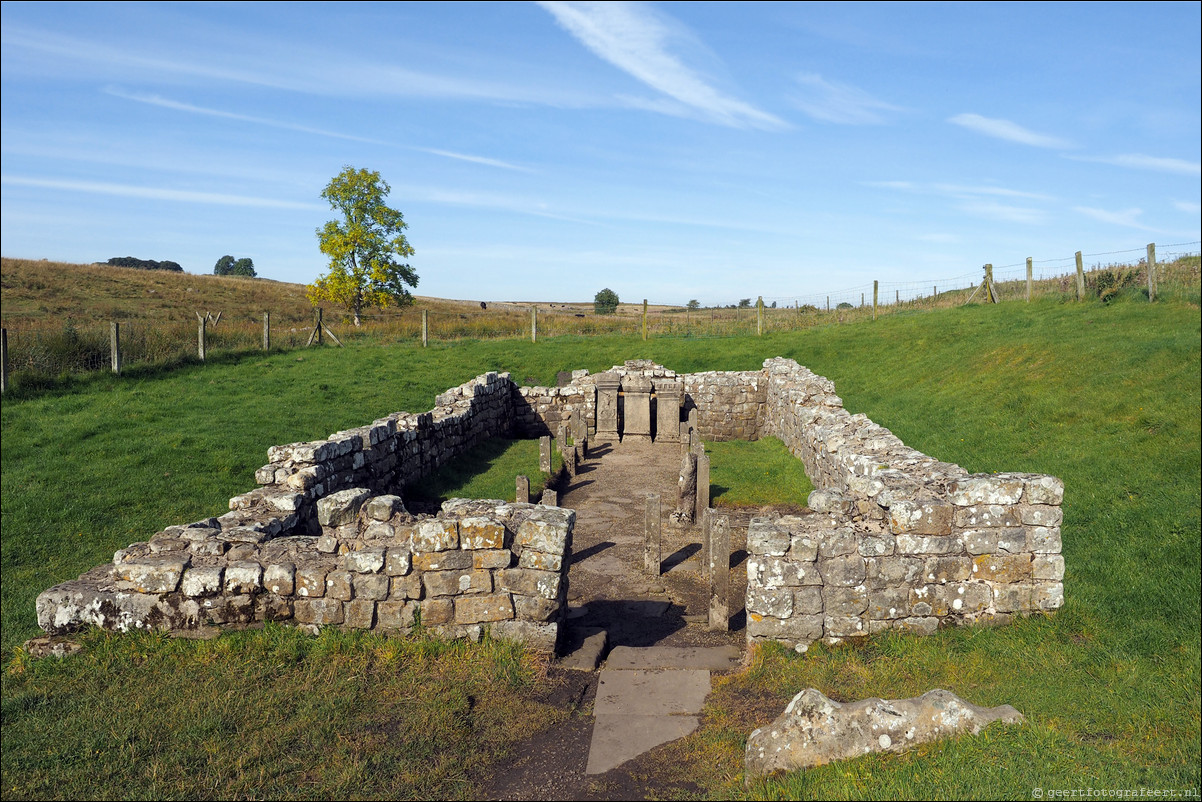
<point>36,351</point>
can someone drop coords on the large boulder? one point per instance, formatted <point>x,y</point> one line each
<point>815,730</point>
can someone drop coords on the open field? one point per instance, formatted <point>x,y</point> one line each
<point>1105,396</point>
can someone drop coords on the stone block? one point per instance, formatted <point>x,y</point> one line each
<point>528,582</point>
<point>239,609</point>
<point>840,627</point>
<point>882,546</point>
<point>845,572</point>
<point>487,559</point>
<point>381,508</point>
<point>1012,540</point>
<point>918,625</point>
<point>1002,568</point>
<point>1043,490</point>
<point>320,612</point>
<point>535,608</point>
<point>830,501</point>
<point>359,614</point>
<point>981,541</point>
<point>803,548</point>
<point>797,630</point>
<point>202,580</point>
<point>962,598</point>
<point>807,600</point>
<point>153,574</point>
<point>838,543</point>
<point>931,517</point>
<point>395,615</point>
<point>338,586</point>
<point>765,537</point>
<point>1044,539</point>
<point>941,570</point>
<point>364,561</point>
<point>539,561</point>
<point>776,602</point>
<point>397,561</point>
<point>919,544</point>
<point>405,587</point>
<point>1040,515</point>
<point>777,572</point>
<point>280,579</point>
<point>370,586</point>
<point>484,607</point>
<point>481,533</point>
<point>272,607</point>
<point>454,583</point>
<point>243,577</point>
<point>311,581</point>
<point>985,489</point>
<point>436,535</point>
<point>982,516</point>
<point>888,603</point>
<point>1014,598</point>
<point>1047,596</point>
<point>442,560</point>
<point>548,530</point>
<point>540,637</point>
<point>341,507</point>
<point>434,612</point>
<point>1047,567</point>
<point>844,602</point>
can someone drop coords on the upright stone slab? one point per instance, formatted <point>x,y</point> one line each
<point>522,490</point>
<point>579,429</point>
<point>544,453</point>
<point>686,489</point>
<point>652,532</point>
<point>608,385</point>
<point>667,410</point>
<point>636,409</point>
<point>703,484</point>
<point>719,560</point>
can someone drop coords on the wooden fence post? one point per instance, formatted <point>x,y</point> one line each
<point>874,289</point>
<point>1151,271</point>
<point>990,290</point>
<point>644,318</point>
<point>200,338</point>
<point>115,346</point>
<point>266,331</point>
<point>3,360</point>
<point>1029,279</point>
<point>534,324</point>
<point>425,327</point>
<point>1080,279</point>
<point>652,533</point>
<point>759,316</point>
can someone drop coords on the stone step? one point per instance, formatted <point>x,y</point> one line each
<point>712,658</point>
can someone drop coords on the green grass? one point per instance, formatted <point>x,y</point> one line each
<point>489,470</point>
<point>1106,397</point>
<point>755,474</point>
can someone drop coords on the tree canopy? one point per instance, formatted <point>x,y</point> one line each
<point>144,264</point>
<point>228,266</point>
<point>694,304</point>
<point>605,302</point>
<point>363,247</point>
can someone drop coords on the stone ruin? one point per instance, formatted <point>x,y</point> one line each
<point>892,538</point>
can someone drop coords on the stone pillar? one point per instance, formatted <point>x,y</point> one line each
<point>686,488</point>
<point>667,410</point>
<point>636,409</point>
<point>703,484</point>
<point>544,453</point>
<point>579,428</point>
<point>719,559</point>
<point>567,452</point>
<point>522,490</point>
<point>652,534</point>
<point>608,385</point>
<point>550,498</point>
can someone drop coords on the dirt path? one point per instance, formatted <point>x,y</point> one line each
<point>609,590</point>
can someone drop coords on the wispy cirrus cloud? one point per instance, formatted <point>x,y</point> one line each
<point>447,154</point>
<point>977,200</point>
<point>152,193</point>
<point>834,102</point>
<point>1128,218</point>
<point>1192,207</point>
<point>636,40</point>
<point>1008,131</point>
<point>1140,161</point>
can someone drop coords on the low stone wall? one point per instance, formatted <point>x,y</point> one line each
<point>730,405</point>
<point>895,538</point>
<point>476,565</point>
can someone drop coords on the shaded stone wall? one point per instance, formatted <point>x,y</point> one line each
<point>730,405</point>
<point>895,538</point>
<point>539,411</point>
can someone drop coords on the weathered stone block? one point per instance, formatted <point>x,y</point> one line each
<point>540,561</point>
<point>436,535</point>
<point>321,612</point>
<point>381,508</point>
<point>397,561</point>
<point>830,501</point>
<point>484,607</point>
<point>931,517</point>
<point>803,548</point>
<point>481,533</point>
<point>454,583</point>
<point>443,560</point>
<point>918,544</point>
<point>545,532</point>
<point>243,577</point>
<point>272,607</point>
<point>807,600</point>
<point>528,582</point>
<point>280,578</point>
<point>487,559</point>
<point>766,537</point>
<point>202,580</point>
<point>840,627</point>
<point>1048,567</point>
<point>153,574</point>
<point>917,625</point>
<point>776,602</point>
<point>838,543</point>
<point>888,603</point>
<point>941,570</point>
<point>844,602</point>
<point>847,571</point>
<point>535,608</point>
<point>1014,598</point>
<point>436,611</point>
<point>370,586</point>
<point>1047,596</point>
<point>1044,539</point>
<point>311,581</point>
<point>1043,490</point>
<point>405,587</point>
<point>962,598</point>
<point>798,630</point>
<point>360,613</point>
<point>1012,540</point>
<point>541,637</point>
<point>365,561</point>
<point>777,572</point>
<point>881,546</point>
<point>985,489</point>
<point>395,615</point>
<point>981,541</point>
<point>983,516</point>
<point>1002,568</point>
<point>338,586</point>
<point>1040,515</point>
<point>341,507</point>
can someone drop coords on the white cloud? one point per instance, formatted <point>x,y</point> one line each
<point>1007,130</point>
<point>475,159</point>
<point>834,102</point>
<point>635,39</point>
<point>153,193</point>
<point>1140,161</point>
<point>1189,206</point>
<point>1003,212</point>
<point>1126,217</point>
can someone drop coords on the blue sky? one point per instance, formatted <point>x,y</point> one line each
<point>543,151</point>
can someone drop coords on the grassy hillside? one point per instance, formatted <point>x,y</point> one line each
<point>1105,396</point>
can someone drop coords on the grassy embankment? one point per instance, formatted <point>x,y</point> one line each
<point>1106,397</point>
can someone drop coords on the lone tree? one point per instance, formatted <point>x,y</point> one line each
<point>605,302</point>
<point>363,247</point>
<point>694,304</point>
<point>228,266</point>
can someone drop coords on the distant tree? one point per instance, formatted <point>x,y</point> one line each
<point>694,304</point>
<point>845,305</point>
<point>244,267</point>
<point>363,247</point>
<point>224,265</point>
<point>144,264</point>
<point>744,303</point>
<point>605,302</point>
<point>773,305</point>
